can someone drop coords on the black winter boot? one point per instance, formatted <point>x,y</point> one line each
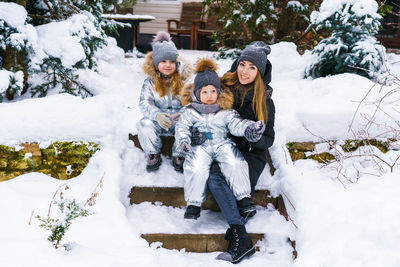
<point>192,212</point>
<point>240,244</point>
<point>153,162</point>
<point>177,162</point>
<point>246,207</point>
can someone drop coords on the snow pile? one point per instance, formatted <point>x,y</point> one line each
<point>13,14</point>
<point>65,46</point>
<point>5,76</point>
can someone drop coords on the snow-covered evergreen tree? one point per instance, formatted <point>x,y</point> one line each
<point>352,46</point>
<point>66,35</point>
<point>242,21</point>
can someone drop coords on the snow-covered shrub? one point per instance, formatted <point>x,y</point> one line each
<point>50,54</point>
<point>242,21</point>
<point>352,46</point>
<point>294,21</point>
<point>69,209</point>
<point>65,47</point>
<point>11,84</point>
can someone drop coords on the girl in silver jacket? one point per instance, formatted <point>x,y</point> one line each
<point>160,100</point>
<point>210,112</point>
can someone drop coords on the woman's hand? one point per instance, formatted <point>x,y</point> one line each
<point>254,131</point>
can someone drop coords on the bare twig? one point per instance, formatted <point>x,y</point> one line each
<point>55,193</point>
<point>92,199</point>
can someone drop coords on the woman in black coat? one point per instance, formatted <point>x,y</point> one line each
<point>248,80</point>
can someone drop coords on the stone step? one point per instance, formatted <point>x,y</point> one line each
<point>173,196</point>
<point>166,225</point>
<point>200,243</point>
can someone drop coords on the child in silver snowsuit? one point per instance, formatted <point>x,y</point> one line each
<point>160,101</point>
<point>210,112</point>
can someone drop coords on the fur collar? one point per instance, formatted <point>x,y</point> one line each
<point>185,68</point>
<point>225,98</point>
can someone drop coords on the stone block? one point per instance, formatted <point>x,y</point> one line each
<point>32,148</point>
<point>199,243</point>
<point>297,155</point>
<point>174,197</point>
<point>303,146</point>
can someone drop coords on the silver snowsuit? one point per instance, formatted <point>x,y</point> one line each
<point>217,147</point>
<point>150,104</point>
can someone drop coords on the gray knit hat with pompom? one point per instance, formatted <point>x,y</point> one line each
<point>256,53</point>
<point>163,48</point>
<point>206,75</point>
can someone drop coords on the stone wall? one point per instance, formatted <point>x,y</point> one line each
<point>306,150</point>
<point>61,160</point>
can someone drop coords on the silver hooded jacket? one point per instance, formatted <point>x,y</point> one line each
<point>150,102</point>
<point>218,124</point>
<point>149,131</point>
<point>217,147</point>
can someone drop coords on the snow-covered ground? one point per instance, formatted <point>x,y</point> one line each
<point>355,224</point>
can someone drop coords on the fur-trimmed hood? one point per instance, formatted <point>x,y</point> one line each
<point>185,68</point>
<point>225,98</point>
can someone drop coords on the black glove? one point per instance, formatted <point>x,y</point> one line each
<point>197,137</point>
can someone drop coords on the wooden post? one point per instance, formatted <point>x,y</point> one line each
<point>14,60</point>
<point>22,3</point>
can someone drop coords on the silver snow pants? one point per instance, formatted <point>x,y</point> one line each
<point>197,168</point>
<point>149,135</point>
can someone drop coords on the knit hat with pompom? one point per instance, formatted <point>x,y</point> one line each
<point>163,48</point>
<point>256,53</point>
<point>206,75</point>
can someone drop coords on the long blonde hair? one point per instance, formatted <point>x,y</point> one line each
<point>259,104</point>
<point>175,83</point>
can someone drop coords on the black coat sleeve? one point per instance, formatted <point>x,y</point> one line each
<point>268,136</point>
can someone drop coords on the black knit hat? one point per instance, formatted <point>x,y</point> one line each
<point>206,75</point>
<point>256,53</point>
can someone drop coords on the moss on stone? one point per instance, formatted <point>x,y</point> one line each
<point>297,155</point>
<point>297,149</point>
<point>3,163</point>
<point>290,145</point>
<point>322,157</point>
<point>5,151</point>
<point>352,145</point>
<point>54,160</point>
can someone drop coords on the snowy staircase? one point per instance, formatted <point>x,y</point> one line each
<point>157,213</point>
<point>203,235</point>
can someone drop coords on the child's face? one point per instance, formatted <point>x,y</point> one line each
<point>167,67</point>
<point>208,95</point>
